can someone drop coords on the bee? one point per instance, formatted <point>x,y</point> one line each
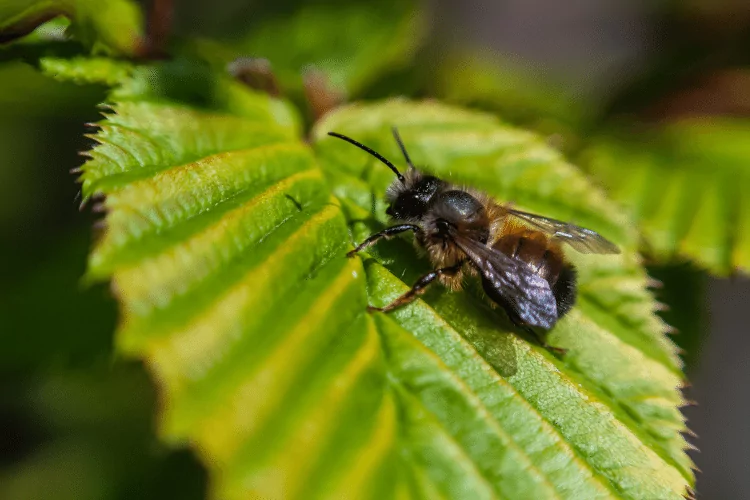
<point>517,255</point>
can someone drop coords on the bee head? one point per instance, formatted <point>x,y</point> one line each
<point>409,201</point>
<point>409,195</point>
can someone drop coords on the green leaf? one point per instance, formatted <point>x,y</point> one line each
<point>114,25</point>
<point>351,43</point>
<point>181,82</point>
<point>87,70</point>
<point>686,185</point>
<point>517,93</point>
<point>226,248</point>
<point>618,354</point>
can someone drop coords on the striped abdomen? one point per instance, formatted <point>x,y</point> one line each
<point>545,258</point>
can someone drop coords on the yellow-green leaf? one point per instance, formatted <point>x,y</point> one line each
<point>225,240</point>
<point>615,393</point>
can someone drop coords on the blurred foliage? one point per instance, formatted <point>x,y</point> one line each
<point>654,144</point>
<point>352,44</point>
<point>42,306</point>
<point>103,25</point>
<point>90,437</point>
<point>516,93</point>
<point>687,185</point>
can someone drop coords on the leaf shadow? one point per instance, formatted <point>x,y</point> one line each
<point>488,331</point>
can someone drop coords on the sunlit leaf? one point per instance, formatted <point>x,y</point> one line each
<point>687,186</point>
<point>225,238</point>
<point>116,25</point>
<point>618,354</point>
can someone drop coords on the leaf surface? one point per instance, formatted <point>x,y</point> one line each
<point>225,238</point>
<point>620,366</point>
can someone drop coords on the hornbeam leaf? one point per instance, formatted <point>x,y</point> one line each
<point>225,239</point>
<point>620,366</point>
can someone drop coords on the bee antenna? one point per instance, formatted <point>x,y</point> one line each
<point>372,152</point>
<point>401,145</point>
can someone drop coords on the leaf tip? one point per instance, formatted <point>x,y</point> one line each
<point>689,493</point>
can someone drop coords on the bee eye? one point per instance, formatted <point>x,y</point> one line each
<point>442,226</point>
<point>389,210</point>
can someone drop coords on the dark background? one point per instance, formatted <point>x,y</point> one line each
<point>78,422</point>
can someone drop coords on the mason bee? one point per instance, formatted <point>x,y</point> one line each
<point>517,255</point>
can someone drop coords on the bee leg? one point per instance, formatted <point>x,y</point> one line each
<point>419,287</point>
<point>388,232</point>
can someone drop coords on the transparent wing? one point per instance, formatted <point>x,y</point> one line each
<point>581,239</point>
<point>527,293</point>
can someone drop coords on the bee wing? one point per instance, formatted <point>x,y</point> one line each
<point>581,239</point>
<point>527,293</point>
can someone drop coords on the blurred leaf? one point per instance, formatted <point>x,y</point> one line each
<point>687,186</point>
<point>351,43</point>
<point>226,248</point>
<point>115,25</point>
<point>27,95</point>
<point>517,93</point>
<point>89,70</point>
<point>180,82</point>
<point>53,30</point>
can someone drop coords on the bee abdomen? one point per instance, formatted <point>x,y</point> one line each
<point>546,259</point>
<point>565,289</point>
<point>535,250</point>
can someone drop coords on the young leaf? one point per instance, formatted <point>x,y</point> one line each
<point>116,25</point>
<point>226,249</point>
<point>687,187</point>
